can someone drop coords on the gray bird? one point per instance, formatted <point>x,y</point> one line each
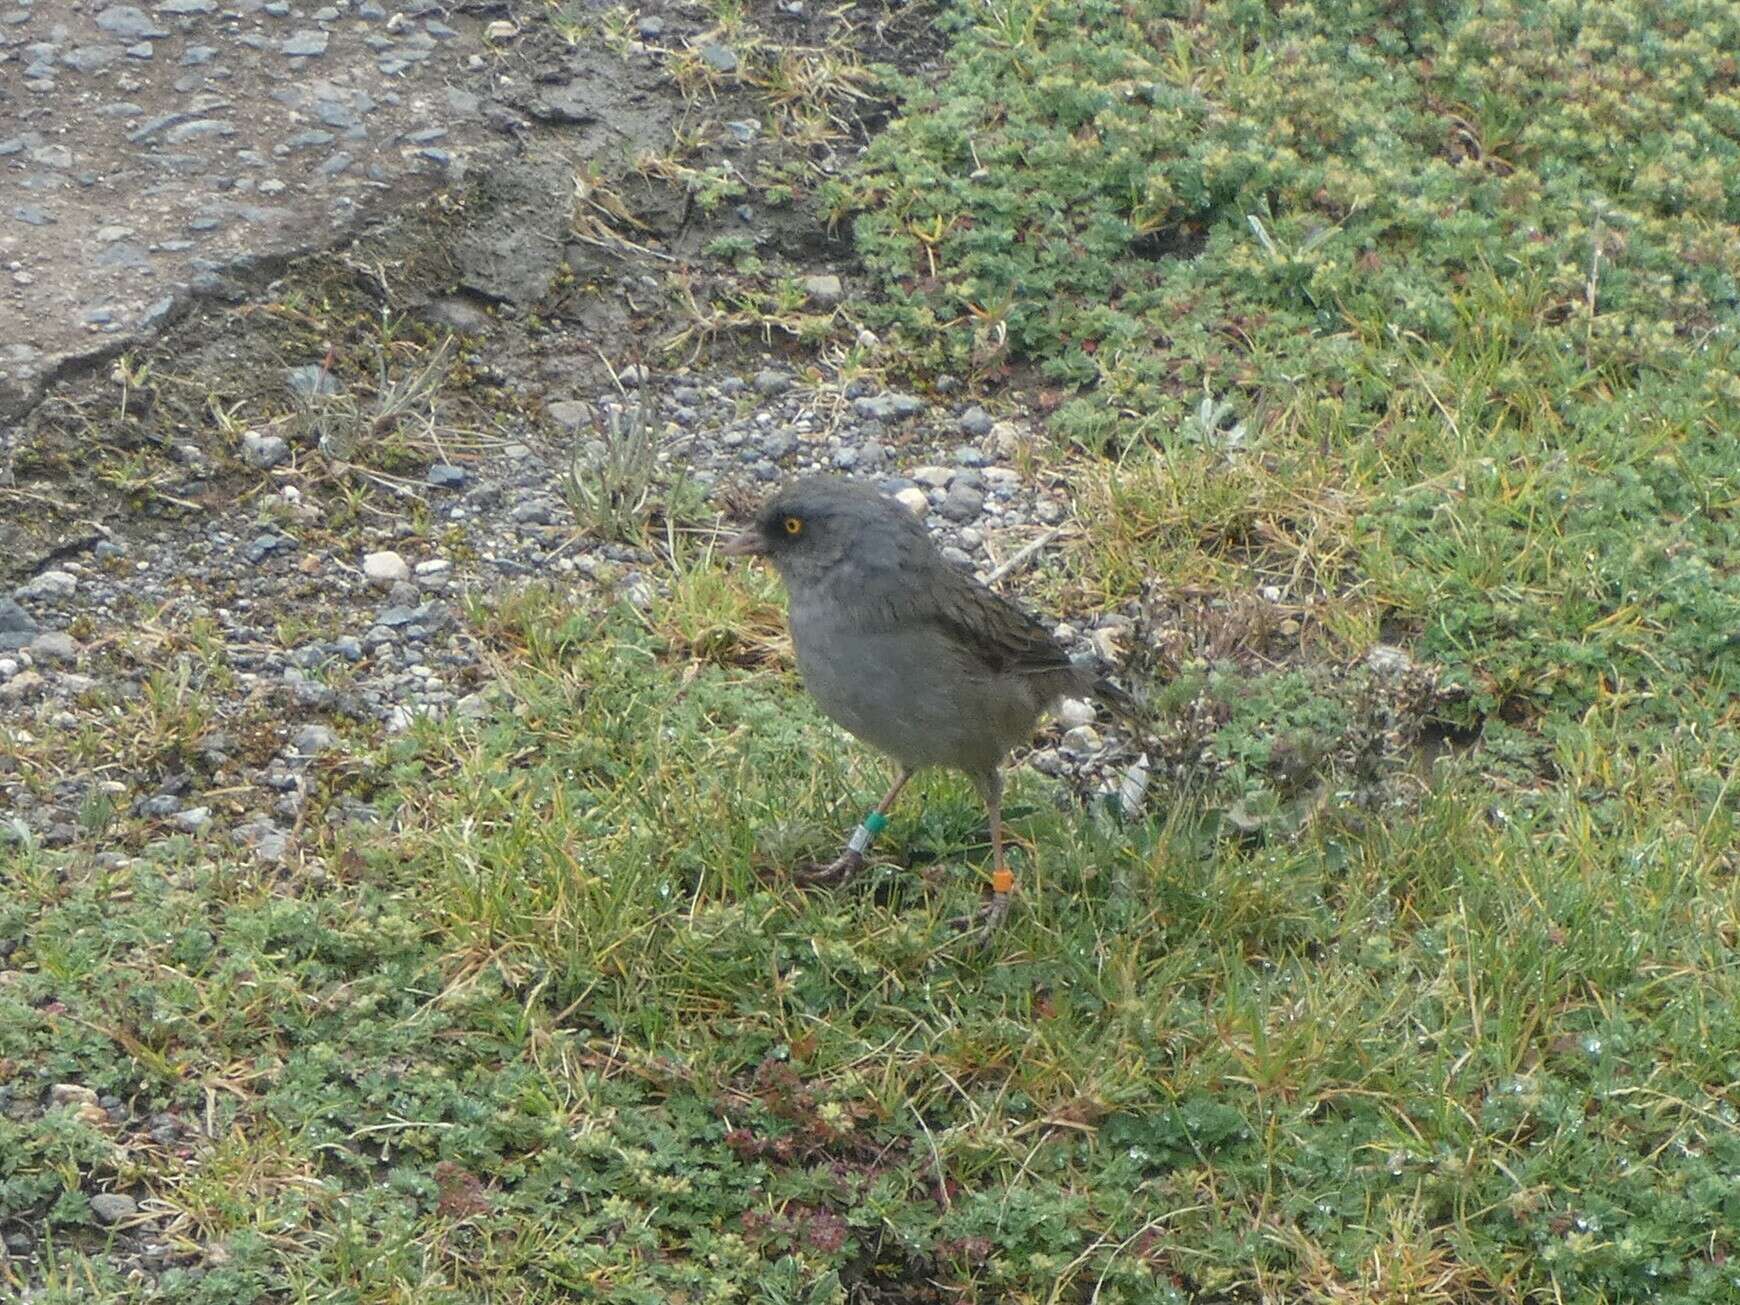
<point>911,655</point>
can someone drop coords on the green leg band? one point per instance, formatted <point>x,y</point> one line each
<point>874,824</point>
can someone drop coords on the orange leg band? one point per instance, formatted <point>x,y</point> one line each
<point>1002,880</point>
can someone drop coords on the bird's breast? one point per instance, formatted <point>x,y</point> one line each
<point>905,688</point>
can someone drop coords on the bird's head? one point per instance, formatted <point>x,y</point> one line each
<point>812,527</point>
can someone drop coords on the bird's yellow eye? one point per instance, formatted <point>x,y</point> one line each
<point>793,526</point>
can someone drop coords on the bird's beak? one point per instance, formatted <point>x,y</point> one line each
<point>747,544</point>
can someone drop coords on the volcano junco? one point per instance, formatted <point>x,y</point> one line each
<point>911,655</point>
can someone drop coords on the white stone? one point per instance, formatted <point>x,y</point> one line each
<point>385,567</point>
<point>1083,738</point>
<point>935,477</point>
<point>434,566</point>
<point>1072,712</point>
<point>913,500</point>
<point>263,451</point>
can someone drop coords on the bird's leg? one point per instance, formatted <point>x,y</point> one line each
<point>850,861</point>
<point>991,915</point>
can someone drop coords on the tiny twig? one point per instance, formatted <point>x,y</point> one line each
<point>1021,555</point>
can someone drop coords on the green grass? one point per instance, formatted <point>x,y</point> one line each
<point>561,1030</point>
<point>1333,1022</point>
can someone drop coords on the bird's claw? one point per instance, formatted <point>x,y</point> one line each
<point>837,871</point>
<point>983,924</point>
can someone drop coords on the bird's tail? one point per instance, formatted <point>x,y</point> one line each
<point>1121,703</point>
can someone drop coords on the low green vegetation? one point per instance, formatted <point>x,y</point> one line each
<point>1415,981</point>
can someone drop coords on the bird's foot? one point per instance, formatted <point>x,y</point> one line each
<point>981,926</point>
<point>836,872</point>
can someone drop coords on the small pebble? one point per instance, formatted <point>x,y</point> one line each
<point>914,500</point>
<point>385,567</point>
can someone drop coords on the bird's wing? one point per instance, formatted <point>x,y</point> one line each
<point>993,631</point>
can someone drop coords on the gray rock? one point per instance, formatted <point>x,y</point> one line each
<point>112,1207</point>
<point>17,626</point>
<point>123,255</point>
<point>335,114</point>
<point>129,21</point>
<point>312,740</point>
<point>304,44</point>
<point>651,27</point>
<point>195,55</point>
<point>269,843</point>
<point>444,475</point>
<point>975,421</point>
<point>963,504</point>
<point>571,415</point>
<point>720,58</point>
<point>770,383</point>
<point>263,451</point>
<point>55,646</point>
<point>159,805</point>
<point>198,129</point>
<point>887,407</point>
<point>91,58</point>
<point>263,546</point>
<point>51,586</point>
<point>824,290</point>
<point>193,819</point>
